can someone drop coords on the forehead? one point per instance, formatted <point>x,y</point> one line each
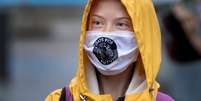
<point>108,7</point>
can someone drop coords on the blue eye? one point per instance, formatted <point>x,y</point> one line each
<point>96,22</point>
<point>122,26</point>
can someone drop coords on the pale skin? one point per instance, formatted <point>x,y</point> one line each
<point>108,16</point>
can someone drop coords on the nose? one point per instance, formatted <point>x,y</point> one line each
<point>108,28</point>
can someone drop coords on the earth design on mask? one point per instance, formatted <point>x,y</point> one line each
<point>105,49</point>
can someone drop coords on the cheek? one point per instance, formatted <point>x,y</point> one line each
<point>92,27</point>
<point>131,29</point>
<point>89,27</point>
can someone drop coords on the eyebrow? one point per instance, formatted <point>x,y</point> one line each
<point>97,16</point>
<point>119,18</point>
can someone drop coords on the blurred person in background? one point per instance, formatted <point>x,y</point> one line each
<point>3,46</point>
<point>119,55</point>
<point>197,4</point>
<point>184,28</point>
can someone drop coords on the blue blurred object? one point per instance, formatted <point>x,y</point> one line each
<point>9,2</point>
<point>3,46</point>
<point>4,3</point>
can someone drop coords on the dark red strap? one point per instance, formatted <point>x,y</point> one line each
<point>69,96</point>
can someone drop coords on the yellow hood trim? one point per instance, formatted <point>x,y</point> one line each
<point>148,36</point>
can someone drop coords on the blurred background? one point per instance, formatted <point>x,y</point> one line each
<point>39,41</point>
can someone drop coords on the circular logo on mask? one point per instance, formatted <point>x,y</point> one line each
<point>105,49</point>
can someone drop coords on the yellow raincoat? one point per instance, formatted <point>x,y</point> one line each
<point>146,26</point>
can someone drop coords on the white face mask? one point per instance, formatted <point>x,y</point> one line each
<point>111,52</point>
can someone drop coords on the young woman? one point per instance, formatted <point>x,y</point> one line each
<point>120,54</point>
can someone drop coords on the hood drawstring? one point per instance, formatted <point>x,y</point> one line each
<point>153,90</point>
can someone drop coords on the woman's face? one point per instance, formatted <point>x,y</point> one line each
<point>109,15</point>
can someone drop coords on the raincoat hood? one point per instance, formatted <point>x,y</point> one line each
<point>146,26</point>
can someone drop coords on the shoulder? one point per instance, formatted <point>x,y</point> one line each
<point>163,97</point>
<point>54,96</point>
